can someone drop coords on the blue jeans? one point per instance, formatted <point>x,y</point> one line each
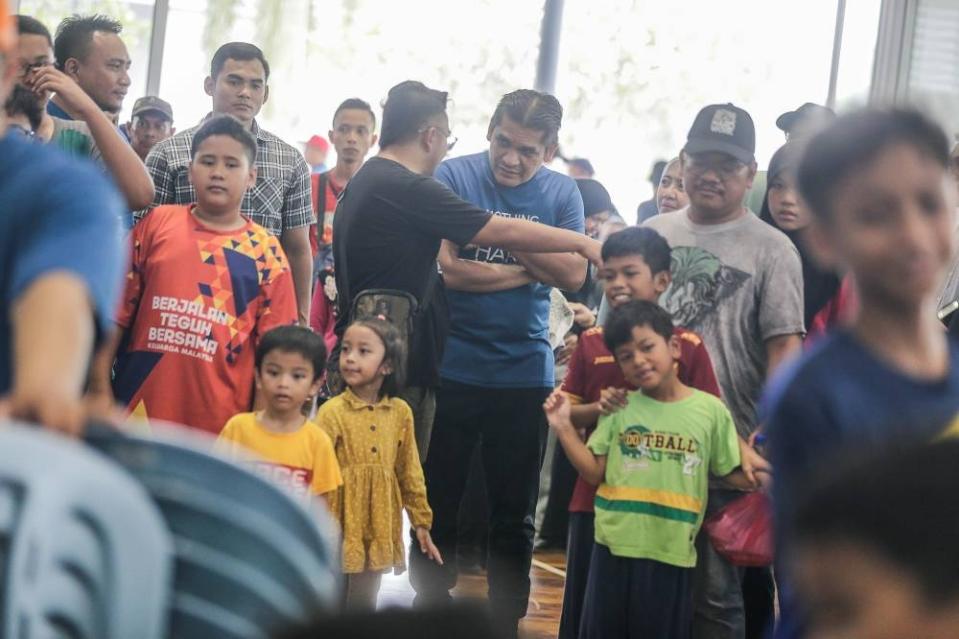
<point>718,611</point>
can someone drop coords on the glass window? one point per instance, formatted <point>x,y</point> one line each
<point>136,17</point>
<point>934,61</point>
<point>633,75</point>
<point>321,53</point>
<point>859,34</point>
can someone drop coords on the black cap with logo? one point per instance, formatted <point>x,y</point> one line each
<point>723,128</point>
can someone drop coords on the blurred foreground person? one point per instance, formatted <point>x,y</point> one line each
<point>875,548</point>
<point>60,269</point>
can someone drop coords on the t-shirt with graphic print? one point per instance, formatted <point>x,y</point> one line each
<point>196,302</point>
<point>737,284</point>
<point>501,339</point>
<point>659,456</point>
<point>593,368</point>
<point>303,461</point>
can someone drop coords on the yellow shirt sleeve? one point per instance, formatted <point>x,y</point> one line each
<point>409,472</point>
<point>326,470</point>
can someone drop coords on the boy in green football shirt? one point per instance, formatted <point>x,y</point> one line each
<point>652,461</point>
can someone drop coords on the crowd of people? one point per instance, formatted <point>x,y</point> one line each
<point>409,332</point>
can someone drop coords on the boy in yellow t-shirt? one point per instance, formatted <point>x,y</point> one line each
<point>294,451</point>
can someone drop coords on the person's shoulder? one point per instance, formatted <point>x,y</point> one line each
<point>767,232</point>
<point>238,423</point>
<point>179,141</point>
<point>471,162</point>
<point>317,436</point>
<point>666,221</point>
<point>709,400</point>
<point>400,406</point>
<point>811,374</point>
<point>279,144</point>
<point>555,180</point>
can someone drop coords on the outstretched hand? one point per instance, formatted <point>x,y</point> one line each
<point>427,547</point>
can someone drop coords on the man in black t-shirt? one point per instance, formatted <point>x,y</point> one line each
<point>391,219</point>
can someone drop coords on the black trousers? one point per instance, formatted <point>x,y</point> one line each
<point>636,599</point>
<point>579,551</point>
<point>510,426</point>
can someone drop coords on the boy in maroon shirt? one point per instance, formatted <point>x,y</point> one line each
<point>636,265</point>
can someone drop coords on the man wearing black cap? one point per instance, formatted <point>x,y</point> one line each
<point>151,122</point>
<point>738,283</point>
<point>804,120</point>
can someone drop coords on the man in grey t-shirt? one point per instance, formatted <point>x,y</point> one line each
<point>738,283</point>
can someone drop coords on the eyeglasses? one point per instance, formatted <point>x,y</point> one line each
<point>725,169</point>
<point>447,134</point>
<point>27,69</point>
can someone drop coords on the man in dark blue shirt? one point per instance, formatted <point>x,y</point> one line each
<point>876,184</point>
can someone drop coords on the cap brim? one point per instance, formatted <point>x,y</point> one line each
<point>718,146</point>
<point>786,120</point>
<point>152,110</point>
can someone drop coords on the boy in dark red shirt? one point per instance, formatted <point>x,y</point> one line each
<point>205,284</point>
<point>636,265</point>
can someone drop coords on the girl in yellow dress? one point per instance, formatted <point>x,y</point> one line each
<point>372,433</point>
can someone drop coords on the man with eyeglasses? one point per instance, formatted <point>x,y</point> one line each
<point>150,123</point>
<point>737,282</point>
<point>498,368</point>
<point>390,220</point>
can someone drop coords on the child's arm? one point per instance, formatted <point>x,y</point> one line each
<point>592,468</point>
<point>409,473</point>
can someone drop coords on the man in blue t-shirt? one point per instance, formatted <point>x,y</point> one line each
<point>498,366</point>
<point>60,270</point>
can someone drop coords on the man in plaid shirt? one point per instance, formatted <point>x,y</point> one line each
<point>280,200</point>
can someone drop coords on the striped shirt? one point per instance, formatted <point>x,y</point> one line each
<point>280,199</point>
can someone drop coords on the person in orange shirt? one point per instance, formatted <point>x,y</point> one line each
<point>205,284</point>
<point>292,450</point>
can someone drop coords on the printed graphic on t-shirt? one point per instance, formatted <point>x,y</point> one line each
<point>492,255</point>
<point>701,283</point>
<point>641,446</point>
<point>294,479</point>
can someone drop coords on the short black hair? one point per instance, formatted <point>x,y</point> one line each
<point>532,110</point>
<point>900,504</point>
<point>408,106</point>
<point>394,353</point>
<point>28,25</point>
<point>241,51</point>
<point>642,241</point>
<point>75,35</point>
<point>854,140</point>
<point>228,125</point>
<point>355,104</point>
<point>618,329</point>
<point>294,339</point>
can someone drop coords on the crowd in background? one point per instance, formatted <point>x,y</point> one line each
<point>407,332</point>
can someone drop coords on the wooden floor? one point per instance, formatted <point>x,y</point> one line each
<point>546,598</point>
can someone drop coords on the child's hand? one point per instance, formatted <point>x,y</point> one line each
<point>752,463</point>
<point>427,547</point>
<point>557,408</point>
<point>612,400</point>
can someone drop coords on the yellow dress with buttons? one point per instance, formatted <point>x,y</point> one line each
<point>376,449</point>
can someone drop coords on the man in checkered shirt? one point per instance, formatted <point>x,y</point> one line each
<point>280,200</point>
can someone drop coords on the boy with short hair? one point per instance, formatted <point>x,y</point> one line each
<point>295,451</point>
<point>876,182</point>
<point>652,461</point>
<point>204,286</point>
<point>635,267</point>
